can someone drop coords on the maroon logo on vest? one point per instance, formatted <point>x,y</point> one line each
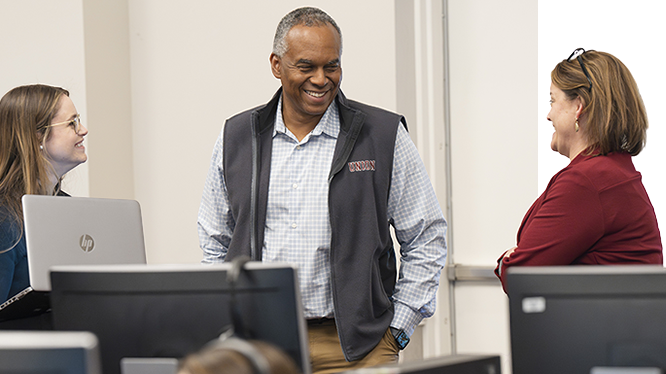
<point>366,165</point>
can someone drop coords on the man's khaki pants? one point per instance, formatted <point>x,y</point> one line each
<point>327,357</point>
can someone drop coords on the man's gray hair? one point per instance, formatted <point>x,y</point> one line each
<point>307,16</point>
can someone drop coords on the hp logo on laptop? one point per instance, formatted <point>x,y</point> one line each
<point>87,243</point>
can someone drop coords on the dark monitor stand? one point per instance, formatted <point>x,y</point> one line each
<point>42,321</point>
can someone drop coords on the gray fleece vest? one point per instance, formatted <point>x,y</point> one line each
<point>363,264</point>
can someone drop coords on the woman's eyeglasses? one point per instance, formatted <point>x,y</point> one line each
<point>577,53</point>
<point>75,123</point>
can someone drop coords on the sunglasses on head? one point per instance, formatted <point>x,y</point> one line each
<point>577,54</point>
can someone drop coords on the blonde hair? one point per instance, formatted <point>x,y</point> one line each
<point>614,112</point>
<point>25,113</point>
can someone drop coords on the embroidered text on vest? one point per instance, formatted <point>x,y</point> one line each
<point>366,165</point>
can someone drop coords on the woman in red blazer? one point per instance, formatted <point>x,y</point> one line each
<point>595,211</point>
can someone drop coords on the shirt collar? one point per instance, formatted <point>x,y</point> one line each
<point>329,123</point>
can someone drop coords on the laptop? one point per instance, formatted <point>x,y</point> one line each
<point>62,230</point>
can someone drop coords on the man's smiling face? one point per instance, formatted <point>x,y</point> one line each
<point>310,72</point>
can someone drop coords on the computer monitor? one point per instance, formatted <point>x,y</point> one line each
<point>450,364</point>
<point>174,310</point>
<point>576,319</point>
<point>49,352</point>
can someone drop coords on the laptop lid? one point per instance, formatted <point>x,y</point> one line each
<point>63,230</point>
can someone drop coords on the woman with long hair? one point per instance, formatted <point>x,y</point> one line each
<point>41,139</point>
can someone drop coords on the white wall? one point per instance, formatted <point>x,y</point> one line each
<point>107,59</point>
<point>42,42</point>
<point>191,65</point>
<point>493,103</point>
<point>420,76</point>
<point>196,63</point>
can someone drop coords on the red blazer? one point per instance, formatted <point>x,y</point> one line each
<point>595,211</point>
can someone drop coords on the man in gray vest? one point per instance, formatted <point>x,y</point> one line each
<point>315,179</point>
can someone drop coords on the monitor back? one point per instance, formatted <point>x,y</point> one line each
<point>451,364</point>
<point>574,319</point>
<point>174,310</point>
<point>49,352</point>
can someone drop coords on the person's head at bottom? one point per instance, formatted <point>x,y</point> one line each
<point>237,356</point>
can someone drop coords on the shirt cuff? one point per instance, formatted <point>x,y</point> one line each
<point>405,318</point>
